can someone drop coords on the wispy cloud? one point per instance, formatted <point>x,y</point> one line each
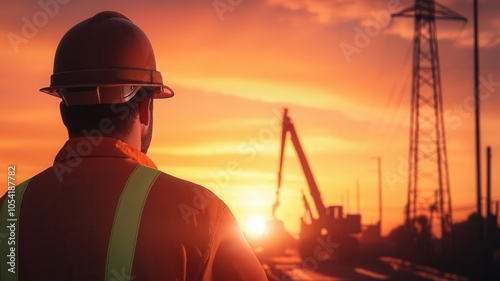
<point>326,12</point>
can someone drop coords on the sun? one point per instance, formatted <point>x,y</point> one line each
<point>256,225</point>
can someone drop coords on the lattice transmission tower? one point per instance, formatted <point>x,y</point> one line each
<point>428,180</point>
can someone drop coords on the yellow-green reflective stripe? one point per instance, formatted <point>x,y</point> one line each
<point>9,233</point>
<point>126,224</point>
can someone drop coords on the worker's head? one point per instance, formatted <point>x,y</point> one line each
<point>132,120</point>
<point>105,73</point>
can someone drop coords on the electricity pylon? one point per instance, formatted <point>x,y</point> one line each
<point>428,179</point>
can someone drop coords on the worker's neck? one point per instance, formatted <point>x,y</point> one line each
<point>134,135</point>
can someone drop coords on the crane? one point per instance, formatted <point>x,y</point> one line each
<point>331,224</point>
<point>288,127</point>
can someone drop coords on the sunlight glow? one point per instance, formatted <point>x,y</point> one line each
<point>256,225</point>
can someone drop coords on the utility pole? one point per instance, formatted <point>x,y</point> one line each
<point>379,161</point>
<point>483,233</point>
<point>488,221</point>
<point>488,181</point>
<point>379,172</point>
<point>497,205</point>
<point>357,196</point>
<point>348,199</point>
<point>476,114</point>
<point>428,164</point>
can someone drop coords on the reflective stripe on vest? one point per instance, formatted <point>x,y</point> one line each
<point>9,232</point>
<point>124,232</point>
<point>126,224</point>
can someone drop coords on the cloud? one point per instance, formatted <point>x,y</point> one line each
<point>461,32</point>
<point>326,12</point>
<point>363,14</point>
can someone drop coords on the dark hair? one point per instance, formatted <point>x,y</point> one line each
<point>112,120</point>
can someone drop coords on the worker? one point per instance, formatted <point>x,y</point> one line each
<point>103,211</point>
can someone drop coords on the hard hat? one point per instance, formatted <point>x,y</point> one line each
<point>105,59</point>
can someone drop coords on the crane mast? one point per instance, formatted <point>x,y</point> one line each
<point>288,127</point>
<point>332,224</point>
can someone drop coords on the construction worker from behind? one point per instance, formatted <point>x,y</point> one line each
<point>103,211</point>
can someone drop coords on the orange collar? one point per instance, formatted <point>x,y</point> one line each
<point>84,147</point>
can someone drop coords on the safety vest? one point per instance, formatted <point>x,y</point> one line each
<point>121,248</point>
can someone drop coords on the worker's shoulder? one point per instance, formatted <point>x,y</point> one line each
<point>185,203</point>
<point>185,193</point>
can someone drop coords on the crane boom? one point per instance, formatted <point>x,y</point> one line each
<point>331,223</point>
<point>313,188</point>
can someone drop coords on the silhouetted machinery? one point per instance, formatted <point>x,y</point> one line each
<point>329,236</point>
<point>274,241</point>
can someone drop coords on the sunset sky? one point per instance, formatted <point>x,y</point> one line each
<point>235,64</point>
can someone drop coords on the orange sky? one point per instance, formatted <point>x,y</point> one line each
<point>233,72</point>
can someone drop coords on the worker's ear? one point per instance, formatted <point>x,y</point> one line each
<point>63,108</point>
<point>145,110</point>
